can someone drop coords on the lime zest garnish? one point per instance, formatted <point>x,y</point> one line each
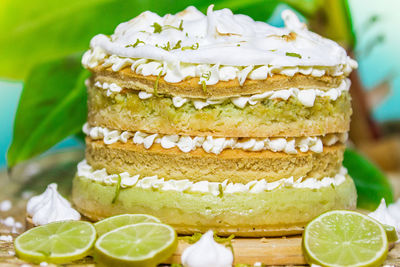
<point>156,83</point>
<point>180,28</point>
<point>290,54</point>
<point>181,25</point>
<point>223,240</point>
<point>191,239</point>
<point>203,83</point>
<point>157,27</point>
<point>117,189</point>
<point>136,43</point>
<point>192,47</point>
<point>177,45</point>
<point>166,47</point>
<point>206,76</point>
<point>221,190</point>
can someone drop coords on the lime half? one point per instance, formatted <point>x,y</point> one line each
<point>58,242</point>
<point>345,238</point>
<point>117,221</point>
<point>144,244</point>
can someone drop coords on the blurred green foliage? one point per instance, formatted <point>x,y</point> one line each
<point>372,185</point>
<point>49,111</point>
<point>38,31</point>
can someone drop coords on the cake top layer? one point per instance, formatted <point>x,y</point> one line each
<point>222,38</point>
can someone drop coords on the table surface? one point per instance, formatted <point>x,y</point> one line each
<point>32,178</point>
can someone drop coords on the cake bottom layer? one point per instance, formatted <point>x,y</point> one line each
<point>283,211</point>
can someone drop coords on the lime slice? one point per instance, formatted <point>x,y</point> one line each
<point>390,233</point>
<point>117,221</point>
<point>58,242</point>
<point>144,244</point>
<point>345,238</point>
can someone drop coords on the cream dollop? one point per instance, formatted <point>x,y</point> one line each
<point>217,46</point>
<point>216,145</point>
<point>206,187</point>
<point>305,96</point>
<point>206,252</point>
<point>50,206</point>
<point>388,215</point>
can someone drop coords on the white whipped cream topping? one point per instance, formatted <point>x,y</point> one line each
<point>206,252</point>
<point>111,88</point>
<point>214,188</point>
<point>388,215</point>
<point>50,206</point>
<point>219,46</point>
<point>306,96</point>
<point>215,144</point>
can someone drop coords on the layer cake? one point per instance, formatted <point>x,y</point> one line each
<point>216,122</point>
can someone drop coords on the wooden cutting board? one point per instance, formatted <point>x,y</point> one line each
<point>268,251</point>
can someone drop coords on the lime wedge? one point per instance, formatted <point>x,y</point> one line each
<point>390,233</point>
<point>58,242</point>
<point>345,238</point>
<point>117,221</point>
<point>144,244</point>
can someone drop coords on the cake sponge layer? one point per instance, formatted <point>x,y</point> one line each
<point>279,212</point>
<point>191,87</point>
<point>268,118</point>
<point>236,165</point>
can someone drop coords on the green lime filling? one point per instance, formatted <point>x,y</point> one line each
<point>281,206</point>
<point>265,112</point>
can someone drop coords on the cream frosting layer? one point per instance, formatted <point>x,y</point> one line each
<point>305,96</point>
<point>219,46</point>
<point>214,188</point>
<point>215,144</point>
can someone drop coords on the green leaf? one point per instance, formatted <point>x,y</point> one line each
<point>371,183</point>
<point>52,107</point>
<point>38,31</point>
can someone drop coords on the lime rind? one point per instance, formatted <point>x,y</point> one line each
<point>118,221</point>
<point>391,233</point>
<point>58,242</point>
<point>331,245</point>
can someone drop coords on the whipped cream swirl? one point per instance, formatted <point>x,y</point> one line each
<point>206,252</point>
<point>50,206</point>
<point>305,96</point>
<point>214,188</point>
<point>219,46</point>
<point>215,145</point>
<point>389,215</point>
